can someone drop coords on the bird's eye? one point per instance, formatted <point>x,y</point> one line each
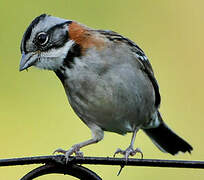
<point>42,38</point>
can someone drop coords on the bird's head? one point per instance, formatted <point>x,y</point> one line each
<point>51,42</point>
<point>46,43</point>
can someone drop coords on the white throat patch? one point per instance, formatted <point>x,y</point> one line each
<point>53,59</point>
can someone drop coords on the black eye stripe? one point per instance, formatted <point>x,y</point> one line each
<point>57,43</point>
<point>29,30</point>
<point>58,26</point>
<point>39,43</point>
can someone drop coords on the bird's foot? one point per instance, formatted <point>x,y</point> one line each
<point>128,152</point>
<point>75,149</point>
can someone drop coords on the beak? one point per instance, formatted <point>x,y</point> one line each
<point>27,60</point>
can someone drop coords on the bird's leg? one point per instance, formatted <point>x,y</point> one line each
<point>97,135</point>
<point>130,151</point>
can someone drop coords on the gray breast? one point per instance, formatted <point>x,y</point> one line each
<point>112,93</point>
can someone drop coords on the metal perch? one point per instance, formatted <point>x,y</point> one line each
<point>57,164</point>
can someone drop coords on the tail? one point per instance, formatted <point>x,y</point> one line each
<point>166,140</point>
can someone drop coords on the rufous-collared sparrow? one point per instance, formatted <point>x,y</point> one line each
<point>108,80</point>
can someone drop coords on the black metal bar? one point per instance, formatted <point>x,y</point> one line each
<point>73,170</point>
<point>103,161</point>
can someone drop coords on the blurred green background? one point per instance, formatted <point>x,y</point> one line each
<point>36,117</point>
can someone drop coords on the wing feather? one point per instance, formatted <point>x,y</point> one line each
<point>141,57</point>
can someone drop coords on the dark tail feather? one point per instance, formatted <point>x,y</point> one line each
<point>166,140</point>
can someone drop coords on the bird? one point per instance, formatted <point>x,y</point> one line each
<point>108,80</point>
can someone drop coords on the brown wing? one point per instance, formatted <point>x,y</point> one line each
<point>147,68</point>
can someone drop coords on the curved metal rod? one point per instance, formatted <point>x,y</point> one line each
<point>73,170</point>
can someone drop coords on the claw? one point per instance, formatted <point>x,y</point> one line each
<point>59,150</point>
<point>73,150</point>
<point>139,151</point>
<point>128,152</point>
<point>118,151</point>
<point>79,154</point>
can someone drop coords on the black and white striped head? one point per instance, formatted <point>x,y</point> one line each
<point>45,43</point>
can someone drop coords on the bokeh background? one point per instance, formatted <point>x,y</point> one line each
<point>35,117</point>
